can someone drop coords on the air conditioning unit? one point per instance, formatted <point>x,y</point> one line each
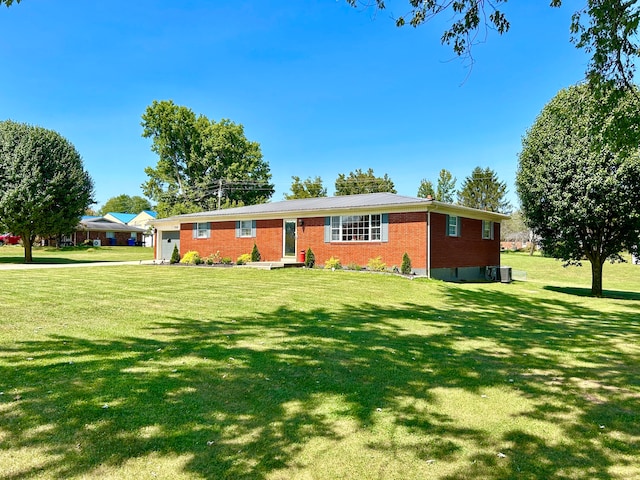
<point>505,274</point>
<point>97,243</point>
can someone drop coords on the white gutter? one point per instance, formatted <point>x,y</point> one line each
<point>428,243</point>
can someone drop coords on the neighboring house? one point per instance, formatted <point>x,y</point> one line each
<point>444,241</point>
<point>106,232</point>
<point>120,217</point>
<point>145,220</point>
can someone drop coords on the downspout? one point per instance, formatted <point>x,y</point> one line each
<point>428,243</point>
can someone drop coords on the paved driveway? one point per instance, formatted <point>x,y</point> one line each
<point>30,266</point>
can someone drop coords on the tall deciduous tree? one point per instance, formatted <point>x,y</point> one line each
<point>607,29</point>
<point>483,190</point>
<point>44,189</point>
<point>426,189</point>
<point>203,164</point>
<point>446,186</point>
<point>125,204</point>
<point>579,176</point>
<point>363,182</point>
<point>309,188</point>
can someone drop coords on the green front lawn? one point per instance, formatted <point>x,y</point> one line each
<point>177,372</point>
<point>47,255</point>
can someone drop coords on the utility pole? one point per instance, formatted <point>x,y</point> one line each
<point>219,193</point>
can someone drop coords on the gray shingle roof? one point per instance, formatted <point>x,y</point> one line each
<point>369,200</point>
<point>308,206</point>
<point>101,225</point>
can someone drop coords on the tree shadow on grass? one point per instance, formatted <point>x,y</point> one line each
<point>241,396</point>
<point>37,260</point>
<point>586,292</point>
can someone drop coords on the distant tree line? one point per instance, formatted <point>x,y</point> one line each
<point>481,189</point>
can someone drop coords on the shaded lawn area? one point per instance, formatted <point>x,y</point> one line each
<point>70,255</point>
<point>165,372</point>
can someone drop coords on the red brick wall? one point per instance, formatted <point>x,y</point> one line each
<point>223,240</point>
<point>407,233</point>
<point>468,250</point>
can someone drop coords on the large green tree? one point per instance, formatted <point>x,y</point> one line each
<point>579,176</point>
<point>44,189</point>
<point>203,164</point>
<point>363,182</point>
<point>606,29</point>
<point>483,190</point>
<point>309,188</point>
<point>426,189</point>
<point>446,186</point>
<point>125,204</point>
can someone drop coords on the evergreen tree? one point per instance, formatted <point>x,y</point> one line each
<point>446,186</point>
<point>426,189</point>
<point>483,190</point>
<point>255,254</point>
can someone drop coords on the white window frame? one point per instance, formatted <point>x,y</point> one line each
<point>111,235</point>
<point>202,230</point>
<point>246,228</point>
<point>356,228</point>
<point>487,230</point>
<point>453,225</point>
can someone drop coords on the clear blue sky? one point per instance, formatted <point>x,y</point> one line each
<point>323,87</point>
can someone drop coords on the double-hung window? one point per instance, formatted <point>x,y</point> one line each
<point>487,230</point>
<point>201,230</point>
<point>356,228</point>
<point>453,226</point>
<point>245,228</point>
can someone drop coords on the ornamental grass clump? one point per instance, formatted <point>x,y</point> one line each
<point>192,257</point>
<point>333,264</point>
<point>243,259</point>
<point>376,265</point>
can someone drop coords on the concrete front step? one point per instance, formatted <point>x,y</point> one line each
<point>272,265</point>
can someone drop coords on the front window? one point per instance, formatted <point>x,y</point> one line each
<point>111,235</point>
<point>356,228</point>
<point>246,228</point>
<point>202,230</point>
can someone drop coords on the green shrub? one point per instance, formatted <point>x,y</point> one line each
<point>255,254</point>
<point>226,261</point>
<point>406,264</point>
<point>354,266</point>
<point>376,265</point>
<point>88,243</point>
<point>243,259</point>
<point>175,256</point>
<point>333,263</point>
<point>309,259</point>
<point>192,258</point>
